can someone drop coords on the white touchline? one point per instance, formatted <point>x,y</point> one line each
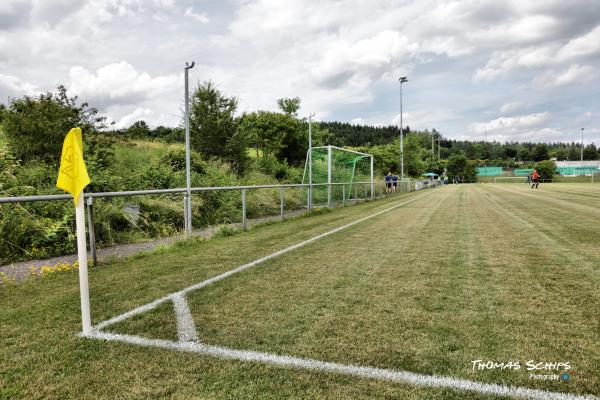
<point>188,340</point>
<point>344,369</point>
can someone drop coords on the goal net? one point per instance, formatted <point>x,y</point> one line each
<point>337,175</point>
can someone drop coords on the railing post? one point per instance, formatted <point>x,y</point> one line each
<point>329,195</point>
<point>366,192</point>
<point>343,195</point>
<point>244,222</point>
<point>355,194</point>
<point>91,231</point>
<point>281,202</point>
<point>185,212</point>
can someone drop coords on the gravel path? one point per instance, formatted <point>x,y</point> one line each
<point>21,270</point>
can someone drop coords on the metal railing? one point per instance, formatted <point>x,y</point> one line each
<point>370,191</point>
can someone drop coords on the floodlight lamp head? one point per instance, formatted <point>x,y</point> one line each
<point>403,79</point>
<point>190,66</point>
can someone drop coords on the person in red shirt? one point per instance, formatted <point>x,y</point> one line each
<point>535,178</point>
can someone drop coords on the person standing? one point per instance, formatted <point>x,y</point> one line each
<point>388,182</point>
<point>394,183</point>
<point>535,178</point>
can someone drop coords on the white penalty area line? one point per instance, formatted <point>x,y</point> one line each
<point>175,296</point>
<point>343,369</point>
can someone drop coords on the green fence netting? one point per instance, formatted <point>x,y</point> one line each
<point>489,171</point>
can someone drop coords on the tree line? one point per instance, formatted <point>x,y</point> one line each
<point>35,127</point>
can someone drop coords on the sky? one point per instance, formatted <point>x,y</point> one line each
<point>511,70</point>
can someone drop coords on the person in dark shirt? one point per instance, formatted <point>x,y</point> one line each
<point>388,182</point>
<point>394,183</point>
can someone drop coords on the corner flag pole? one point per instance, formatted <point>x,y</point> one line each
<point>86,322</point>
<point>73,178</point>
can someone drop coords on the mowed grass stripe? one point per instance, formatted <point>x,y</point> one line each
<point>558,197</point>
<point>569,229</point>
<point>586,190</point>
<point>287,278</point>
<point>330,302</point>
<point>547,310</point>
<point>154,276</point>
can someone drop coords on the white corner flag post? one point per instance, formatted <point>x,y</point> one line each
<point>86,320</point>
<point>73,178</point>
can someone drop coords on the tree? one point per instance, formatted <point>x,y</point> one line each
<point>546,169</point>
<point>36,126</point>
<point>414,164</point>
<point>540,152</point>
<point>562,154</point>
<point>474,151</point>
<point>510,152</point>
<point>458,165</point>
<point>524,154</point>
<point>289,106</point>
<point>590,152</point>
<point>574,152</point>
<point>212,120</point>
<point>138,130</point>
<point>265,130</point>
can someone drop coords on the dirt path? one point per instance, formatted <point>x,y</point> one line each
<point>21,270</point>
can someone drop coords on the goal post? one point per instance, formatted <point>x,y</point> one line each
<point>333,174</point>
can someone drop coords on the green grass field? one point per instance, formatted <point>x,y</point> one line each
<point>469,272</point>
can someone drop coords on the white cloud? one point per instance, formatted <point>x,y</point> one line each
<point>503,62</point>
<point>119,83</point>
<point>510,125</point>
<point>14,86</point>
<point>511,107</point>
<point>574,75</point>
<point>138,114</point>
<point>584,45</point>
<point>200,17</point>
<point>342,58</point>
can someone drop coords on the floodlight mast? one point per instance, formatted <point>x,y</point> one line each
<point>582,151</point>
<point>188,179</point>
<point>402,80</point>
<point>310,192</point>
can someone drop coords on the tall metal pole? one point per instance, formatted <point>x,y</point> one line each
<point>329,176</point>
<point>402,79</point>
<point>372,182</point>
<point>582,151</point>
<point>188,179</point>
<point>438,147</point>
<point>310,191</point>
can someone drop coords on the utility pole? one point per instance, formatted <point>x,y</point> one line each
<point>582,151</point>
<point>432,151</point>
<point>188,179</point>
<point>402,80</point>
<point>310,192</point>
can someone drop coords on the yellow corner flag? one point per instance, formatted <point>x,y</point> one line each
<point>72,176</point>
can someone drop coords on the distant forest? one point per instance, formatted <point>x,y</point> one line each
<point>345,134</point>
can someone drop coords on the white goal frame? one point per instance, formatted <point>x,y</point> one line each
<point>308,165</point>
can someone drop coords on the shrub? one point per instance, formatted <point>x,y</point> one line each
<point>36,126</point>
<point>546,169</point>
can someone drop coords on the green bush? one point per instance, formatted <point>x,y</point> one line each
<point>36,126</point>
<point>546,169</point>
